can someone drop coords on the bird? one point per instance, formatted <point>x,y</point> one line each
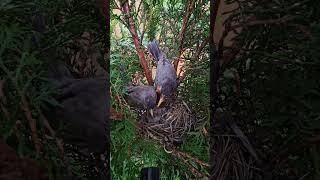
<point>142,97</point>
<point>83,109</point>
<point>83,113</point>
<point>166,77</point>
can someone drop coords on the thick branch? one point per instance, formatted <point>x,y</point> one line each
<point>214,68</point>
<point>214,56</point>
<point>136,41</point>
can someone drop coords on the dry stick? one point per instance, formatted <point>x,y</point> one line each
<point>126,9</point>
<point>32,123</point>
<point>201,47</point>
<point>180,153</point>
<point>27,111</point>
<point>47,125</point>
<point>5,110</point>
<point>114,115</point>
<point>188,12</point>
<point>195,171</point>
<point>3,100</point>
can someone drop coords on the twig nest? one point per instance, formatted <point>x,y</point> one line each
<point>170,123</point>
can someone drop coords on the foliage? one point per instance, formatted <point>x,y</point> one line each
<point>161,20</point>
<point>278,66</point>
<point>23,70</point>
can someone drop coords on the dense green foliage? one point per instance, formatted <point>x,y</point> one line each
<point>161,20</point>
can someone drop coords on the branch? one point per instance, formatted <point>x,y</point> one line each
<point>126,10</point>
<point>214,55</point>
<point>201,47</point>
<point>59,141</point>
<point>184,154</point>
<point>229,55</point>
<point>214,68</point>
<point>145,27</point>
<point>185,157</point>
<point>3,100</point>
<point>114,115</point>
<point>32,123</point>
<point>278,21</point>
<point>188,12</point>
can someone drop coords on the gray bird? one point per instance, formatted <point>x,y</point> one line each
<point>166,77</point>
<point>142,97</point>
<point>83,113</point>
<point>83,108</point>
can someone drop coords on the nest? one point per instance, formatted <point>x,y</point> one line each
<point>170,123</point>
<point>234,157</point>
<point>232,161</point>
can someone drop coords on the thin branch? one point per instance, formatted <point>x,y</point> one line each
<point>201,47</point>
<point>184,154</point>
<point>3,100</point>
<point>252,22</point>
<point>47,125</point>
<point>188,11</point>
<point>145,27</point>
<point>32,123</point>
<point>26,108</point>
<point>114,115</point>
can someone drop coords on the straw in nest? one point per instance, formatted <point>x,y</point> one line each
<point>170,123</point>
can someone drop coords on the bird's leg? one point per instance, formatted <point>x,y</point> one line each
<point>161,100</point>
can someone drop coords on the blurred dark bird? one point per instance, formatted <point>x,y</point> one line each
<point>166,77</point>
<point>83,111</point>
<point>142,97</point>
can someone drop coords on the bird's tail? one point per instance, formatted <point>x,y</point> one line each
<point>155,50</point>
<point>39,27</point>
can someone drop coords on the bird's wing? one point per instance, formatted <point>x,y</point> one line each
<point>165,71</point>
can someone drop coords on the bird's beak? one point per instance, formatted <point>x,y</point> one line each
<point>151,112</point>
<point>158,89</point>
<point>160,100</point>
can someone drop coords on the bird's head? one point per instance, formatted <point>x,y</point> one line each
<point>150,103</point>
